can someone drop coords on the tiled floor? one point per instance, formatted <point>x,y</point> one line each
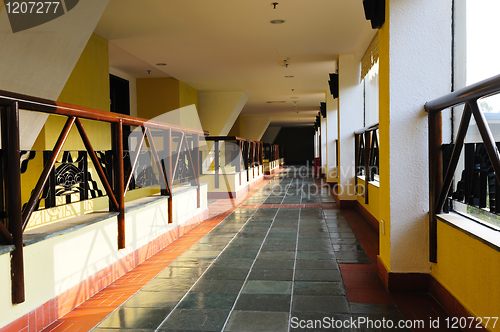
<point>280,260</point>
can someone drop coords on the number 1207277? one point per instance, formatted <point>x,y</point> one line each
<point>32,7</point>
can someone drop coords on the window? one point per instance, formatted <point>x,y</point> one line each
<point>475,191</point>
<point>367,143</point>
<point>369,79</point>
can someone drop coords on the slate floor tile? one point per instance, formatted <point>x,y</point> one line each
<point>328,304</point>
<point>263,302</point>
<point>267,287</point>
<point>135,318</point>
<point>216,301</point>
<point>195,320</point>
<point>250,321</point>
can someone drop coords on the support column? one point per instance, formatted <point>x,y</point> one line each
<point>332,136</point>
<point>12,154</point>
<point>404,89</point>
<point>350,120</point>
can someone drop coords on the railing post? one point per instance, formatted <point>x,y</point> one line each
<point>253,159</point>
<point>240,154</point>
<point>119,180</point>
<point>167,162</point>
<point>216,163</point>
<point>366,153</point>
<point>247,159</point>
<point>196,167</point>
<point>357,146</point>
<point>11,147</point>
<point>435,177</point>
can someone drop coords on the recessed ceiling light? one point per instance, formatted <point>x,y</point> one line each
<point>277,21</point>
<point>289,76</point>
<point>276,102</point>
<point>161,64</point>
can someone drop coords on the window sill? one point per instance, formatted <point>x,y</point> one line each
<point>486,235</point>
<point>373,183</point>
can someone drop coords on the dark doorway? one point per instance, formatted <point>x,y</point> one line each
<point>298,144</point>
<point>119,95</point>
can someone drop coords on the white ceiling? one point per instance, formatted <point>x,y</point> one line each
<point>230,45</point>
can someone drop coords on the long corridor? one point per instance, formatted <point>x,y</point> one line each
<point>286,259</point>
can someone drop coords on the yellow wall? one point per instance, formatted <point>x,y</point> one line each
<point>384,120</point>
<point>219,110</point>
<point>88,85</point>
<point>469,270</point>
<point>238,127</point>
<point>187,95</point>
<point>373,205</point>
<point>156,96</point>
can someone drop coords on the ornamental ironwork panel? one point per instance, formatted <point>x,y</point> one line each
<point>477,185</point>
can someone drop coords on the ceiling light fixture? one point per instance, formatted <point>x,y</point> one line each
<point>277,21</point>
<point>161,64</point>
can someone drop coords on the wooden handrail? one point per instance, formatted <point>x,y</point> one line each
<point>366,129</point>
<point>11,103</point>
<point>474,91</point>
<point>55,107</point>
<point>438,187</point>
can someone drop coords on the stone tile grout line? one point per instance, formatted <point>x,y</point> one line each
<point>295,263</point>
<point>253,263</point>
<point>210,265</point>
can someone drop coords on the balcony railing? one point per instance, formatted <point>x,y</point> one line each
<point>237,152</point>
<point>177,160</point>
<point>482,161</point>
<point>367,156</point>
<point>272,152</point>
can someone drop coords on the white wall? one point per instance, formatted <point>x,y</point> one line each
<point>332,136</point>
<point>324,139</point>
<point>351,119</point>
<point>420,70</point>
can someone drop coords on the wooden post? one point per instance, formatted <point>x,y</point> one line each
<point>11,147</point>
<point>196,167</point>
<point>216,163</point>
<point>366,153</point>
<point>117,140</point>
<point>238,167</point>
<point>357,146</point>
<point>435,178</point>
<point>167,161</point>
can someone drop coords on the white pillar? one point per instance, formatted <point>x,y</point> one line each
<point>419,70</point>
<point>332,136</point>
<point>324,150</point>
<point>351,119</point>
